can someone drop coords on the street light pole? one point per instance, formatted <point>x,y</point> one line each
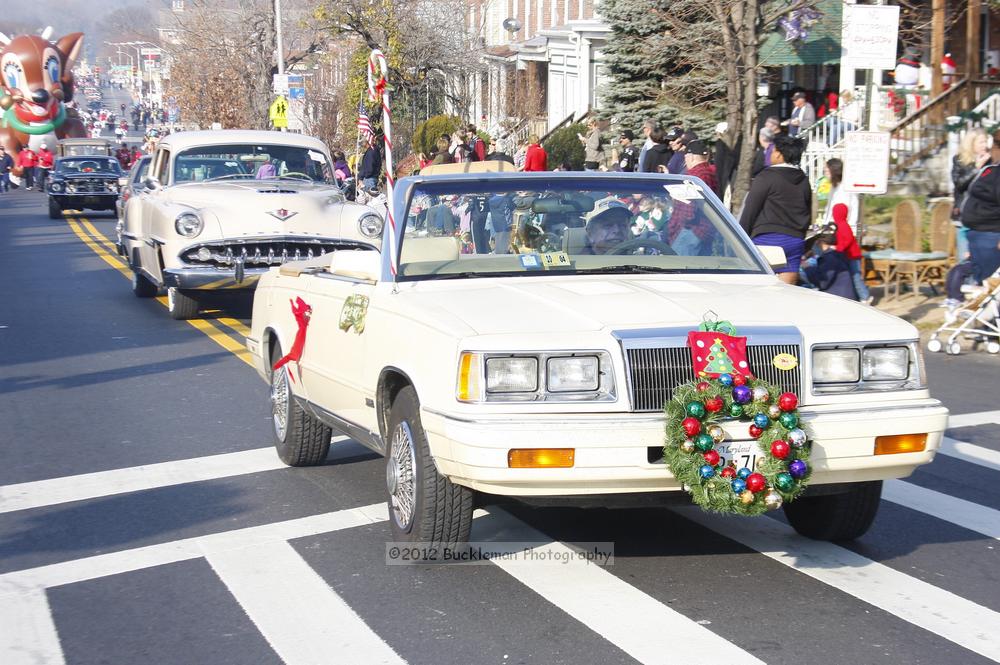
<point>277,36</point>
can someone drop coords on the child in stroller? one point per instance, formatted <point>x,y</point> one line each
<point>976,318</point>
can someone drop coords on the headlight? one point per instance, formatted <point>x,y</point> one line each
<point>56,187</point>
<point>511,375</point>
<point>189,224</point>
<point>558,376</point>
<point>573,375</point>
<point>836,365</point>
<point>370,225</point>
<point>886,364</point>
<point>112,187</point>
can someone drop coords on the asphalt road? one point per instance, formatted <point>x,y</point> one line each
<point>144,519</point>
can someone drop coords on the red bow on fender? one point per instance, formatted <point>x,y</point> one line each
<point>302,312</point>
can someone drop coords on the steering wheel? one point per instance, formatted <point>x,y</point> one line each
<point>628,246</point>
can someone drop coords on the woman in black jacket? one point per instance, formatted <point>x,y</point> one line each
<point>778,208</point>
<point>973,155</point>
<point>659,154</point>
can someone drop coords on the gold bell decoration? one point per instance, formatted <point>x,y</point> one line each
<point>772,500</point>
<point>717,433</point>
<point>774,411</point>
<point>746,497</point>
<point>6,101</point>
<point>687,446</point>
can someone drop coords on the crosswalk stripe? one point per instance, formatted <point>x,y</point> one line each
<point>941,612</point>
<point>956,420</point>
<point>27,632</point>
<point>632,620</point>
<point>970,452</point>
<point>300,616</point>
<point>965,514</point>
<point>104,483</point>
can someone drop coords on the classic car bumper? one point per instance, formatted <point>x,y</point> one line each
<point>612,451</point>
<point>211,278</point>
<point>85,200</point>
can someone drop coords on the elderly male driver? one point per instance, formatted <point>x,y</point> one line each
<point>607,226</point>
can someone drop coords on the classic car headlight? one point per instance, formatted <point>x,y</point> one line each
<point>56,187</point>
<point>562,376</point>
<point>189,224</point>
<point>112,186</point>
<point>869,367</point>
<point>370,225</point>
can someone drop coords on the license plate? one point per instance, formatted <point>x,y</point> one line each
<point>740,453</point>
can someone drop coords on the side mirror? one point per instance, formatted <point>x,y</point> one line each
<point>775,256</point>
<point>151,183</point>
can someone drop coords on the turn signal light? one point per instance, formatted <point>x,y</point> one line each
<point>540,458</point>
<point>900,443</point>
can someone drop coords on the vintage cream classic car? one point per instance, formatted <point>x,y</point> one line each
<point>220,207</point>
<point>525,337</point>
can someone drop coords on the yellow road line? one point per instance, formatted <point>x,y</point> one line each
<point>234,325</point>
<point>100,237</point>
<point>217,335</point>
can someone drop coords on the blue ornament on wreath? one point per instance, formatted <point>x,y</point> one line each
<point>738,485</point>
<point>706,471</point>
<point>726,379</point>
<point>743,473</point>
<point>742,394</point>
<point>762,421</point>
<point>798,469</point>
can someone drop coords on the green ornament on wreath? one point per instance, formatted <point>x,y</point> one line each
<point>690,451</point>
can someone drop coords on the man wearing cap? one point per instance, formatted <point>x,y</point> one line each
<point>6,164</point>
<point>803,115</point>
<point>607,226</point>
<point>687,231</point>
<point>678,145</point>
<point>45,160</point>
<point>628,154</point>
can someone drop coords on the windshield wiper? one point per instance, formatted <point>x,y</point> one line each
<point>471,275</point>
<point>631,269</point>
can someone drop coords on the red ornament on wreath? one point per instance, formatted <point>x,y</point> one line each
<point>788,401</point>
<point>755,431</point>
<point>711,457</point>
<point>691,426</point>
<point>756,482</point>
<point>738,380</point>
<point>702,387</point>
<point>728,472</point>
<point>780,449</point>
<point>714,404</point>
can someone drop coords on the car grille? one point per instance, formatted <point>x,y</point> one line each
<point>88,186</point>
<point>656,372</point>
<point>264,252</point>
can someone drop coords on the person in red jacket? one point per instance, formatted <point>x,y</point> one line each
<point>45,160</point>
<point>28,160</point>
<point>688,231</point>
<point>536,158</point>
<point>847,245</point>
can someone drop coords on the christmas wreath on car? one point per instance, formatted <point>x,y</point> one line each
<point>722,471</point>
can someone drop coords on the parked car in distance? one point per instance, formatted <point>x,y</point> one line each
<point>83,183</point>
<point>83,147</point>
<point>534,358</point>
<point>218,208</point>
<point>132,184</point>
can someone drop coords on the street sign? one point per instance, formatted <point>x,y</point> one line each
<point>866,162</point>
<point>279,84</point>
<point>279,112</point>
<point>868,38</point>
<point>296,86</point>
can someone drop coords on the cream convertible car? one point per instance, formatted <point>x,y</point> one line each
<point>219,208</point>
<point>480,371</point>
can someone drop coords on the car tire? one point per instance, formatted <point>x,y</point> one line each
<point>424,506</point>
<point>842,516</point>
<point>142,287</point>
<point>300,439</point>
<point>55,212</point>
<point>180,305</point>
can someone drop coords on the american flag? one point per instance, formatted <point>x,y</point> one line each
<point>364,126</point>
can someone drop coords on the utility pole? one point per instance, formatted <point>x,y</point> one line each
<point>277,37</point>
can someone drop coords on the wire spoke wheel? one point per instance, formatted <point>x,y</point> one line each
<point>279,402</point>
<point>400,477</point>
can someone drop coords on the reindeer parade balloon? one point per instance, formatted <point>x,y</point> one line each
<point>36,82</point>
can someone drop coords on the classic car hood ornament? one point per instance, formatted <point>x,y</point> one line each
<point>282,214</point>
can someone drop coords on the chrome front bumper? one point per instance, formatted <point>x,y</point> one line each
<point>211,278</point>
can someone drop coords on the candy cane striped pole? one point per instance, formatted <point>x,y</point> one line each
<point>377,92</point>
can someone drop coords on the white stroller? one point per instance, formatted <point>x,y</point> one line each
<point>978,319</point>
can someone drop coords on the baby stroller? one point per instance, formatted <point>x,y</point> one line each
<point>978,319</point>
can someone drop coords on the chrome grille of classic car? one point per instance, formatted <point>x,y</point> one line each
<point>87,186</point>
<point>655,369</point>
<point>257,253</point>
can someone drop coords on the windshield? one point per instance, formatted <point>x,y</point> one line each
<point>88,165</point>
<point>141,169</point>
<point>531,225</point>
<point>248,162</point>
